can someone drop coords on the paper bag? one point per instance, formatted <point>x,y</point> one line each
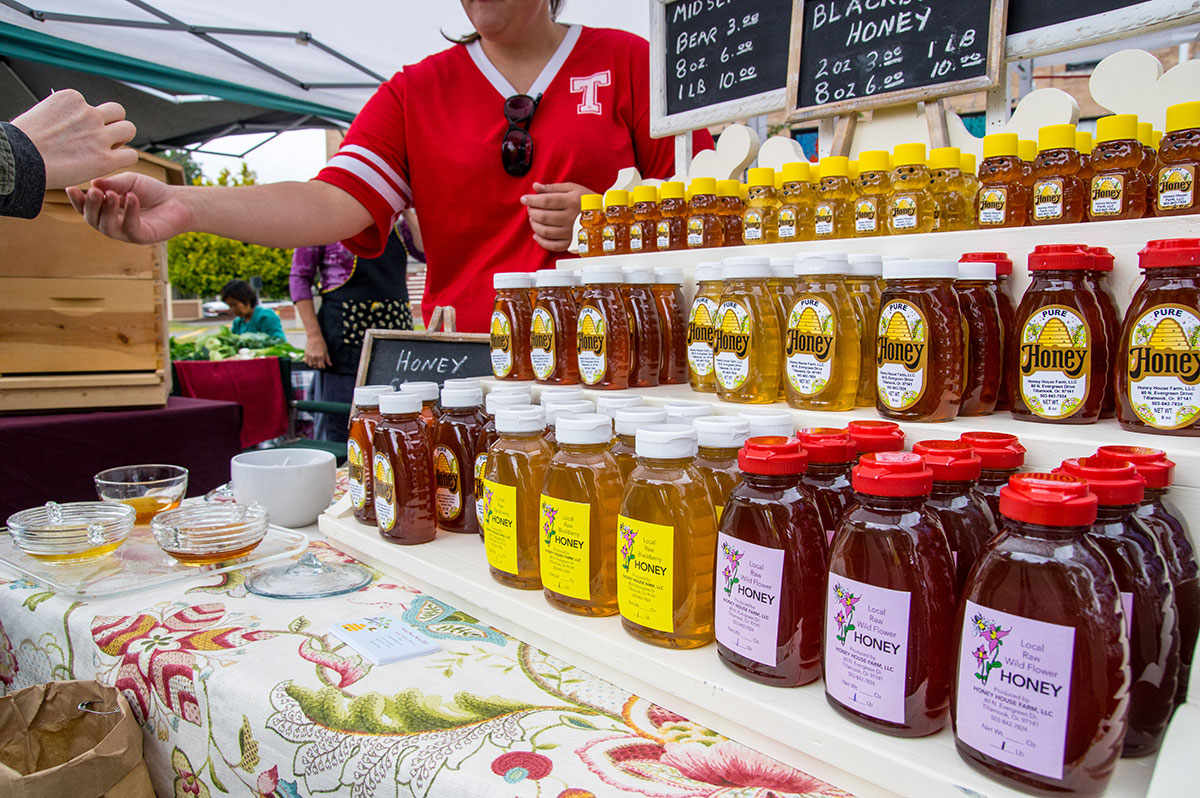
<point>50,748</point>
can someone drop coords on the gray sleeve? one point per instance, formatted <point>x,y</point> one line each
<point>22,174</point>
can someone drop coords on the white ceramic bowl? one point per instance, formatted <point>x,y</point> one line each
<point>294,485</point>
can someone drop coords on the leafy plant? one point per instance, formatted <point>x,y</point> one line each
<point>224,344</point>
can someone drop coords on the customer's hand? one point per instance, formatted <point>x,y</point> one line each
<point>78,142</point>
<point>132,207</point>
<point>316,352</point>
<point>552,211</point>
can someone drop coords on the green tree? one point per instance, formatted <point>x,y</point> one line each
<point>192,174</point>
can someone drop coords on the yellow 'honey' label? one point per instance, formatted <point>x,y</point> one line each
<point>1164,366</point>
<point>385,493</point>
<point>646,573</point>
<point>752,226</point>
<point>700,336</point>
<point>447,474</point>
<point>993,205</point>
<point>1176,187</point>
<point>541,344</point>
<point>866,215</point>
<point>787,224</point>
<point>901,355</point>
<point>501,336</point>
<point>499,521</point>
<point>1108,195</point>
<point>732,338</point>
<point>1048,199</point>
<point>809,345</point>
<point>592,345</point>
<point>823,220</point>
<point>1055,362</point>
<point>357,471</point>
<point>565,543</point>
<point>904,212</point>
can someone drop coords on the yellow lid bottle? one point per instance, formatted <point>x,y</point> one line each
<point>1027,151</point>
<point>863,275</point>
<point>591,219</point>
<point>821,347</point>
<point>1118,187</point>
<point>704,225</point>
<point>671,230</point>
<point>700,331</point>
<point>1058,193</point>
<point>910,205</point>
<point>614,235</point>
<point>833,207</point>
<point>874,184</point>
<point>718,440</point>
<point>730,207</point>
<point>760,219</point>
<point>1083,143</point>
<point>581,498</point>
<point>746,344</point>
<point>666,536</point>
<point>795,203</point>
<point>643,229</point>
<point>512,486</point>
<point>1149,164</point>
<point>1179,162</point>
<point>626,422</point>
<point>1003,198</point>
<point>949,190</point>
<point>969,166</point>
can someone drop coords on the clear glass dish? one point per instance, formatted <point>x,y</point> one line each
<point>71,532</point>
<point>149,489</point>
<point>200,534</point>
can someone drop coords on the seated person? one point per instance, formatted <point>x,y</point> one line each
<point>250,316</point>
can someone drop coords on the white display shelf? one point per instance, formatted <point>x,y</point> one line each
<point>797,726</point>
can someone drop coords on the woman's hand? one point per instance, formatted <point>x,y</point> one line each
<point>552,211</point>
<point>132,207</point>
<point>316,353</point>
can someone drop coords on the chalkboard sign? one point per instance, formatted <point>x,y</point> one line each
<point>849,55</point>
<point>1039,27</point>
<point>716,60</point>
<point>390,357</point>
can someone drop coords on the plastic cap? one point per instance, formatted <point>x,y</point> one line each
<point>976,270</point>
<point>1083,141</point>
<point>1145,133</point>
<point>1118,127</point>
<point>638,275</point>
<point>1056,137</point>
<point>770,423</point>
<point>1113,482</point>
<point>920,270</point>
<point>708,270</point>
<point>668,275</point>
<point>1047,257</point>
<point>761,176</point>
<point>462,397</point>
<point>609,405</point>
<point>560,393</point>
<point>399,402</point>
<point>835,166</point>
<point>729,188</point>
<point>645,194</point>
<point>1152,464</point>
<point>1166,252</point>
<point>520,389</point>
<point>875,436</point>
<point>368,395</point>
<point>721,432</point>
<point>553,278</point>
<point>1155,139</point>
<point>773,455</point>
<point>814,172</point>
<point>466,382</point>
<point>912,154</point>
<point>865,265</point>
<point>853,168</point>
<point>782,267</point>
<point>873,161</point>
<point>827,445</point>
<point>796,172</point>
<point>496,400</point>
<point>745,268</point>
<point>601,274</point>
<point>1000,145</point>
<point>997,451</point>
<point>520,419</point>
<point>616,196</point>
<point>895,474</point>
<point>945,158</point>
<point>1102,259</point>
<point>666,441</point>
<point>428,391</point>
<point>579,407</point>
<point>1048,500</point>
<point>821,263</point>
<point>684,411</point>
<point>510,280</point>
<point>1183,116</point>
<point>591,202</point>
<point>967,163</point>
<point>672,189</point>
<point>950,461</point>
<point>628,420</point>
<point>703,185</point>
<point>1027,149</point>
<point>583,428</point>
<point>1003,263</point>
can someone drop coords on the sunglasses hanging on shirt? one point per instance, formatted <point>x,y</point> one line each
<point>516,148</point>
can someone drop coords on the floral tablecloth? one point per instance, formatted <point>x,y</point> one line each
<point>245,696</point>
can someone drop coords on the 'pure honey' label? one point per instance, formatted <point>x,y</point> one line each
<point>1055,362</point>
<point>1048,199</point>
<point>592,345</point>
<point>1176,187</point>
<point>866,215</point>
<point>993,205</point>
<point>447,476</point>
<point>662,234</point>
<point>541,344</point>
<point>1108,195</point>
<point>502,350</point>
<point>565,542</point>
<point>903,212</point>
<point>700,333</point>
<point>901,355</point>
<point>646,573</point>
<point>732,338</point>
<point>809,345</point>
<point>499,522</point>
<point>357,471</point>
<point>1164,367</point>
<point>636,242</point>
<point>787,224</point>
<point>752,226</point>
<point>695,232</point>
<point>385,493</point>
<point>823,219</point>
<point>583,241</point>
<point>608,238</point>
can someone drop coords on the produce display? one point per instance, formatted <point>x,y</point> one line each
<point>224,345</point>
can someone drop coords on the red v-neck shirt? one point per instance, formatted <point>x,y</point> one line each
<point>430,138</point>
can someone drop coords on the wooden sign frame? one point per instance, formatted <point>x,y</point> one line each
<point>664,124</point>
<point>1138,18</point>
<point>995,58</point>
<point>371,336</point>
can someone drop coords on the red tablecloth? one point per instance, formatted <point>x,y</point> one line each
<point>256,385</point>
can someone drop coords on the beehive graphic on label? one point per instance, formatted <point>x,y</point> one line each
<point>808,323</point>
<point>904,206</point>
<point>442,463</point>
<point>1055,334</point>
<point>897,328</point>
<point>1106,187</point>
<point>1168,335</point>
<point>729,323</point>
<point>1049,193</point>
<point>538,326</point>
<point>499,324</point>
<point>701,316</point>
<point>591,327</point>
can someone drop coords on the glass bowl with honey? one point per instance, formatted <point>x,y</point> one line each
<point>71,532</point>
<point>149,489</point>
<point>201,534</point>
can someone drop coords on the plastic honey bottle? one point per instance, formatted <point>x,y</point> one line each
<point>1003,198</point>
<point>360,450</point>
<point>1102,264</point>
<point>1008,313</point>
<point>609,404</point>
<point>870,436</point>
<point>591,220</point>
<point>487,436</point>
<point>795,203</point>
<point>1078,689</point>
<point>772,569</point>
<point>862,285</point>
<point>1027,149</point>
<point>718,440</point>
<point>760,219</point>
<point>730,205</point>
<point>603,336</point>
<point>554,409</point>
<point>746,352</point>
<point>402,471</point>
<point>781,285</point>
<point>511,501</point>
<point>626,422</point>
<point>911,208</point>
<point>700,329</point>
<point>1083,143</point>
<point>1000,456</point>
<point>831,455</point>
<point>769,422</point>
<point>833,206</point>
<point>511,317</point>
<point>614,235</point>
<point>821,347</point>
<point>668,298</point>
<point>643,230</point>
<point>646,329</point>
<point>428,391</point>
<point>1149,165</point>
<point>952,211</point>
<point>1118,186</point>
<point>1179,162</point>
<point>671,229</point>
<point>704,225</point>
<point>976,289</point>
<point>454,458</point>
<point>874,184</point>
<point>666,540</point>
<point>969,167</point>
<point>578,518</point>
<point>683,411</point>
<point>1059,196</point>
<point>890,602</point>
<point>963,514</point>
<point>552,352</point>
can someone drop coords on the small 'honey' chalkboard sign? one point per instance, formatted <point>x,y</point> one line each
<point>390,357</point>
<point>849,55</point>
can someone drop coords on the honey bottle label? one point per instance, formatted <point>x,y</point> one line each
<point>1014,688</point>
<point>809,346</point>
<point>480,468</point>
<point>1055,361</point>
<point>356,468</point>
<point>993,205</point>
<point>608,238</point>
<point>823,219</point>
<point>565,545</point>
<point>1164,367</point>
<point>1108,195</point>
<point>447,476</point>
<point>582,238</point>
<point>903,211</point>
<point>541,344</point>
<point>787,224</point>
<point>499,521</point>
<point>749,591</point>
<point>732,337</point>
<point>502,350</point>
<point>592,345</point>
<point>385,493</point>
<point>901,355</point>
<point>752,226</point>
<point>662,234</point>
<point>635,237</point>
<point>866,647</point>
<point>866,215</point>
<point>1176,187</point>
<point>1048,199</point>
<point>646,573</point>
<point>700,334</point>
<point>695,232</point>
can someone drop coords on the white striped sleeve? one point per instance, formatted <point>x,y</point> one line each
<point>374,171</point>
